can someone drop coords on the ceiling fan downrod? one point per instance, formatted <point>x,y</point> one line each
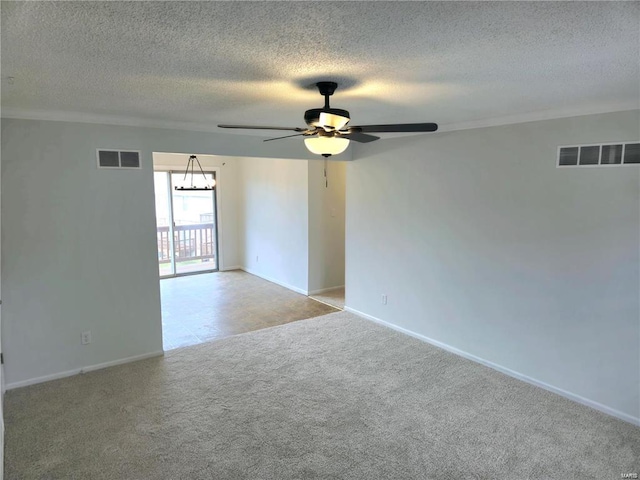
<point>326,90</point>
<point>327,117</point>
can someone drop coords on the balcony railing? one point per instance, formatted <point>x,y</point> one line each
<point>191,242</point>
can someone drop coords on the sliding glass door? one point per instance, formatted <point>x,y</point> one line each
<point>187,230</point>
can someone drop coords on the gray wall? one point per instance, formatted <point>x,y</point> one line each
<point>481,243</point>
<point>78,243</point>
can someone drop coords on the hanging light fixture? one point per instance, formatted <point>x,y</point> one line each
<point>326,144</point>
<point>196,184</point>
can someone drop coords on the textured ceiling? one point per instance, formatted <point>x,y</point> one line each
<point>252,62</point>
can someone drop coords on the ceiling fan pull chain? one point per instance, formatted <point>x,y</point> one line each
<point>326,179</point>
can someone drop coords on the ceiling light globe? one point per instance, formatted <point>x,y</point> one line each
<point>326,145</point>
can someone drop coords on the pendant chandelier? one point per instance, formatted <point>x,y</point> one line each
<point>195,184</point>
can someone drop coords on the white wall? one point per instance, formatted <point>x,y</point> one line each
<point>481,243</point>
<point>326,224</point>
<point>291,222</point>
<point>274,220</point>
<point>2,379</point>
<point>226,169</point>
<point>78,243</point>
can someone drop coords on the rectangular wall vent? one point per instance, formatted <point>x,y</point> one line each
<point>118,159</point>
<point>606,154</point>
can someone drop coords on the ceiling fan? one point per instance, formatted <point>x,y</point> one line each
<point>327,132</point>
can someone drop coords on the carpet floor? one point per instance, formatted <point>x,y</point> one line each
<point>334,397</point>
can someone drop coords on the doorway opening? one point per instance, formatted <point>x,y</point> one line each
<point>187,226</point>
<point>327,235</point>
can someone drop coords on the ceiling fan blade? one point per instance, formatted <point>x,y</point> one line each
<point>359,137</point>
<point>258,127</point>
<point>287,136</point>
<point>396,127</point>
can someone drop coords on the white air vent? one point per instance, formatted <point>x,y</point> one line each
<point>606,154</point>
<point>118,159</point>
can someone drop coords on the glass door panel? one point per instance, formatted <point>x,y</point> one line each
<point>195,228</point>
<point>163,224</point>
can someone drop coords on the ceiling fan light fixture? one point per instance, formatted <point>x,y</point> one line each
<point>332,120</point>
<point>325,146</point>
<point>327,118</point>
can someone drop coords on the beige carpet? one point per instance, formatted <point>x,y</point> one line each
<point>333,297</point>
<point>334,397</point>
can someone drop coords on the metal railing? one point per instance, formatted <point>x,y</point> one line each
<point>191,242</point>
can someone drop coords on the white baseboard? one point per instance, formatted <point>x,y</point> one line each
<point>273,280</point>
<point>563,393</point>
<point>323,290</point>
<point>228,269</point>
<point>76,371</point>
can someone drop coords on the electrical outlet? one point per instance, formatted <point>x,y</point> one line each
<point>86,337</point>
<point>384,299</point>
<point>257,259</point>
